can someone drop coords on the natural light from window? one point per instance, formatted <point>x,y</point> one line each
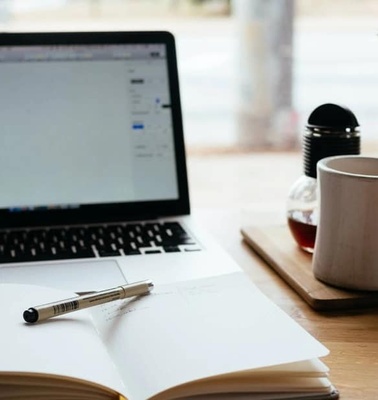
<point>331,56</point>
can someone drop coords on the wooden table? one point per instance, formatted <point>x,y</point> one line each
<point>236,189</point>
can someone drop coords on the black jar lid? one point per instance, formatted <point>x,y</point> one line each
<point>332,117</point>
<point>332,130</point>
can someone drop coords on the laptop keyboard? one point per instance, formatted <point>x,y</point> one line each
<point>94,241</point>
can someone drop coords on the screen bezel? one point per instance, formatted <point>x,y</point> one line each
<point>113,212</point>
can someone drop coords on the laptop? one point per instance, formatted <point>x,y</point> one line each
<point>93,179</point>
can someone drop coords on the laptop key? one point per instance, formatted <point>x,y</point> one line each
<point>171,249</point>
<point>106,252</point>
<point>129,251</point>
<point>152,251</point>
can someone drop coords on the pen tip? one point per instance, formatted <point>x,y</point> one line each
<point>30,315</point>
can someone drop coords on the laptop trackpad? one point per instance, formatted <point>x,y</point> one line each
<point>78,276</point>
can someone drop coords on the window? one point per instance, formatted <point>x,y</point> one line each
<point>330,50</point>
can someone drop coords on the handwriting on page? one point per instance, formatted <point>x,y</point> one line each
<point>181,295</point>
<point>198,290</point>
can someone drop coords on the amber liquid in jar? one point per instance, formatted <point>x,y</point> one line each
<point>304,233</point>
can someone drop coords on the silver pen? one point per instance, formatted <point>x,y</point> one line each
<point>50,310</point>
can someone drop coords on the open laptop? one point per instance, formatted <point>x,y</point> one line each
<point>93,179</point>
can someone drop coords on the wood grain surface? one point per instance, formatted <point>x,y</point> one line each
<point>275,245</point>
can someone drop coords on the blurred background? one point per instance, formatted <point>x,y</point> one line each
<point>251,71</point>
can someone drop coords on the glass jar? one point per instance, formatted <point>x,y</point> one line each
<point>331,130</point>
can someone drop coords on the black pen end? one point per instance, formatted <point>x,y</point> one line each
<point>31,315</point>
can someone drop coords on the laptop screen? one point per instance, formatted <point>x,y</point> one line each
<point>90,120</point>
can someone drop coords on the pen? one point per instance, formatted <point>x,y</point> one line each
<point>50,310</point>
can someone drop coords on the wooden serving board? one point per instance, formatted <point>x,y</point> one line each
<point>277,247</point>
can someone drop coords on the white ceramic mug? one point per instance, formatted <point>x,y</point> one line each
<point>346,246</point>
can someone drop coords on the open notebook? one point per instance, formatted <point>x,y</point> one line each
<point>94,188</point>
<point>217,338</point>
